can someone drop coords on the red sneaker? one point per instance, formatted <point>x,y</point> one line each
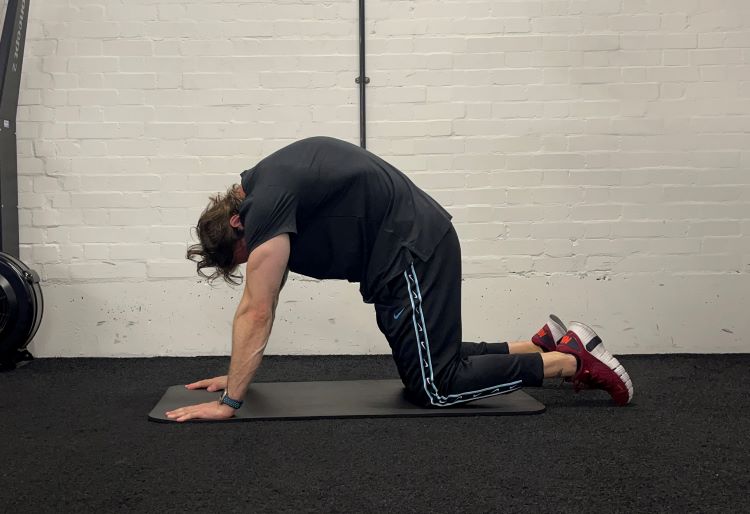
<point>550,334</point>
<point>597,368</point>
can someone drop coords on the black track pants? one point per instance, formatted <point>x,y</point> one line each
<point>420,315</point>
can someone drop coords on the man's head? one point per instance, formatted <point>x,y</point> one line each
<point>220,233</point>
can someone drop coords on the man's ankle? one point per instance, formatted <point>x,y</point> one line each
<point>571,365</point>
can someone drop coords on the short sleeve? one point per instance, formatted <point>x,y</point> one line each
<point>271,211</point>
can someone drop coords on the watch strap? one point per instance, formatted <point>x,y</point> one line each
<point>226,400</point>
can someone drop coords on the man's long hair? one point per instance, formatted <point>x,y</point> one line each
<point>218,238</point>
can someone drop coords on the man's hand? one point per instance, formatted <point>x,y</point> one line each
<point>209,410</point>
<point>210,384</point>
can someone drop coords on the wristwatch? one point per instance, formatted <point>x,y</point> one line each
<point>226,400</point>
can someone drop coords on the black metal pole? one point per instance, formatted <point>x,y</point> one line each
<point>11,58</point>
<point>362,80</point>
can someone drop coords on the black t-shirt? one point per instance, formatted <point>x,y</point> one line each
<point>349,214</point>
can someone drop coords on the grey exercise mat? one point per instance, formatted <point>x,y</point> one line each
<point>340,399</point>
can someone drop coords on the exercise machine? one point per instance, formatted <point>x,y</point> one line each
<point>21,301</point>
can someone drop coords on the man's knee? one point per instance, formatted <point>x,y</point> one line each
<point>417,395</point>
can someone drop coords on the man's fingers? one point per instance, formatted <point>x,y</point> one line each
<point>211,384</point>
<point>186,413</point>
<point>182,414</point>
<point>207,410</point>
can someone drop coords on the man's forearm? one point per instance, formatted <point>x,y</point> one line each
<point>249,338</point>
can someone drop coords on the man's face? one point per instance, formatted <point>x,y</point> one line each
<point>240,248</point>
<point>240,253</point>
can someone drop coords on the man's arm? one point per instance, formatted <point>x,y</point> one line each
<point>266,268</point>
<point>266,271</point>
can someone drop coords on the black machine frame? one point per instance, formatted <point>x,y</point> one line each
<point>21,302</point>
<point>11,59</point>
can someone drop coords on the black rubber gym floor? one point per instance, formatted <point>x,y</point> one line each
<point>74,438</point>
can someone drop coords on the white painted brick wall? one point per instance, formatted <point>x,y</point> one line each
<point>604,140</point>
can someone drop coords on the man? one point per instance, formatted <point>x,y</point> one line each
<point>331,210</point>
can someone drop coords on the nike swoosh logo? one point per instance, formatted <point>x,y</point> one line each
<point>399,313</point>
